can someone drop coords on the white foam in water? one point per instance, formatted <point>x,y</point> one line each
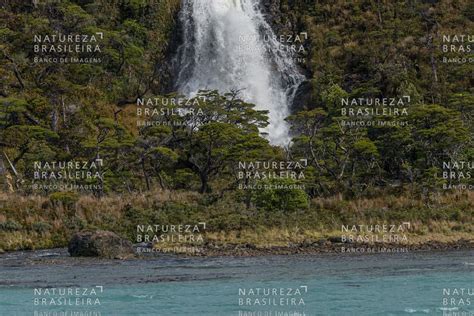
<point>411,311</point>
<point>228,45</point>
<point>143,296</point>
<point>449,308</point>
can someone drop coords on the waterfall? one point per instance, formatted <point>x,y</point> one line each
<point>228,45</point>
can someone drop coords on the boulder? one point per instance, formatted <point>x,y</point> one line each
<point>102,244</point>
<point>336,239</point>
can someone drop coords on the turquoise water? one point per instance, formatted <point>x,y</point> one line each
<point>337,284</point>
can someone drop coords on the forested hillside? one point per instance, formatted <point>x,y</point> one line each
<point>380,49</point>
<point>376,61</point>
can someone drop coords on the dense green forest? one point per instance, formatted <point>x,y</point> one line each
<point>355,50</point>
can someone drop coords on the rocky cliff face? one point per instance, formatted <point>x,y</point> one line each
<point>281,15</point>
<point>167,69</point>
<point>284,19</point>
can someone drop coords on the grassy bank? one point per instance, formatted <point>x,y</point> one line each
<point>33,222</point>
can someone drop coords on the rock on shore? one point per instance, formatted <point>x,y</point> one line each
<point>102,244</point>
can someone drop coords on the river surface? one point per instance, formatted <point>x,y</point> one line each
<point>48,282</point>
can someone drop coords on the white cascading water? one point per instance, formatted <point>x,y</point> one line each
<point>228,45</point>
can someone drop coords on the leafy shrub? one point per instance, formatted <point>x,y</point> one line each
<point>41,227</point>
<point>283,195</point>
<point>67,199</point>
<point>10,225</point>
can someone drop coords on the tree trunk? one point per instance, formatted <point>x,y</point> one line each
<point>7,184</point>
<point>204,186</point>
<point>147,181</point>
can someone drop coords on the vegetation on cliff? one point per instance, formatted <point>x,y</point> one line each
<point>87,112</point>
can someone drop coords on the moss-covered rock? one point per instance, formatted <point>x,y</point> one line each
<point>102,244</point>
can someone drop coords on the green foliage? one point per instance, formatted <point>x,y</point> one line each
<point>365,148</point>
<point>280,195</point>
<point>358,49</point>
<point>41,227</point>
<point>67,199</point>
<point>10,225</point>
<point>364,49</point>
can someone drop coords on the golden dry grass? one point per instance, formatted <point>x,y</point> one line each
<point>43,223</point>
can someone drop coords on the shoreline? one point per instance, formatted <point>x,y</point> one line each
<point>249,250</point>
<point>319,247</point>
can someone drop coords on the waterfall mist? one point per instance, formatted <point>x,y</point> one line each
<point>228,45</point>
